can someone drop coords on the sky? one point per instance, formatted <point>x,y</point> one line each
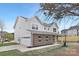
<point>9,12</point>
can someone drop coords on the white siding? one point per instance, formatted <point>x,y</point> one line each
<point>72,32</point>
<point>41,27</point>
<point>21,31</point>
<point>26,42</point>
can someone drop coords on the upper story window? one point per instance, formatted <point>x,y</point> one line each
<point>48,28</point>
<point>35,27</point>
<point>54,29</point>
<point>44,28</point>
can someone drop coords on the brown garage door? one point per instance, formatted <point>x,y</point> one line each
<point>40,39</point>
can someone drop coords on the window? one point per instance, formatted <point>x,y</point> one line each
<point>48,28</point>
<point>46,36</point>
<point>54,29</point>
<point>39,37</point>
<point>44,28</point>
<point>46,40</point>
<point>35,27</point>
<point>39,40</point>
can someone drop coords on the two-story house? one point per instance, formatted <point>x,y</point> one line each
<point>33,32</point>
<point>72,31</point>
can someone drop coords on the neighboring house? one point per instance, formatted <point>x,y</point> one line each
<point>33,32</point>
<point>74,30</point>
<point>2,33</point>
<point>64,32</point>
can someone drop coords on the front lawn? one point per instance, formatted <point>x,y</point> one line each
<point>7,44</point>
<point>39,52</point>
<point>72,49</point>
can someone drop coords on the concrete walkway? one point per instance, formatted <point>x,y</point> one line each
<point>23,48</point>
<point>7,48</point>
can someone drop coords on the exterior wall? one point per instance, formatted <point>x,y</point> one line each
<point>72,32</point>
<point>65,32</point>
<point>41,27</point>
<point>26,41</point>
<point>21,32</point>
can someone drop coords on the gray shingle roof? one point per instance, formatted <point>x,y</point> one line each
<point>72,27</point>
<point>45,24</point>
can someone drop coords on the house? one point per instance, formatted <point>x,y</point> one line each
<point>73,30</point>
<point>33,32</point>
<point>64,32</point>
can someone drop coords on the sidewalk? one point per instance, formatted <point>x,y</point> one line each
<point>23,48</point>
<point>7,48</point>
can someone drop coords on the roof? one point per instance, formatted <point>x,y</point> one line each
<point>42,32</point>
<point>3,32</point>
<point>64,30</point>
<point>17,20</point>
<point>24,17</point>
<point>45,24</point>
<point>72,27</point>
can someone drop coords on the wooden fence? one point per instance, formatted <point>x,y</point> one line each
<point>69,38</point>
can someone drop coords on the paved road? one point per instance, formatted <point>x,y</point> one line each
<point>23,48</point>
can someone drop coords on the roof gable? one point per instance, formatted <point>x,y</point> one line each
<point>18,18</point>
<point>44,24</point>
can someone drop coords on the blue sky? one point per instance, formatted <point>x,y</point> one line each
<point>9,12</point>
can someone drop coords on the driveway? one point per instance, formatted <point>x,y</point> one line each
<point>23,48</point>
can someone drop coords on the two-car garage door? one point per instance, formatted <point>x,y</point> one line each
<point>41,39</point>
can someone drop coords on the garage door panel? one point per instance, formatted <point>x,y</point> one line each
<point>39,39</point>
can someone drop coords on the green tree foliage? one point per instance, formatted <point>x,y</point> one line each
<point>9,36</point>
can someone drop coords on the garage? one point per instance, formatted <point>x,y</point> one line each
<point>43,39</point>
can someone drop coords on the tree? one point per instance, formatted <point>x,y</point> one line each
<point>57,11</point>
<point>1,29</point>
<point>9,36</point>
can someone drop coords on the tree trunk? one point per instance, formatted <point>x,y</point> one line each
<point>77,35</point>
<point>65,42</point>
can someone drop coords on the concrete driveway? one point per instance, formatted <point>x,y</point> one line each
<point>23,48</point>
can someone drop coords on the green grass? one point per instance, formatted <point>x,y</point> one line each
<point>7,44</point>
<point>50,51</point>
<point>40,52</point>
